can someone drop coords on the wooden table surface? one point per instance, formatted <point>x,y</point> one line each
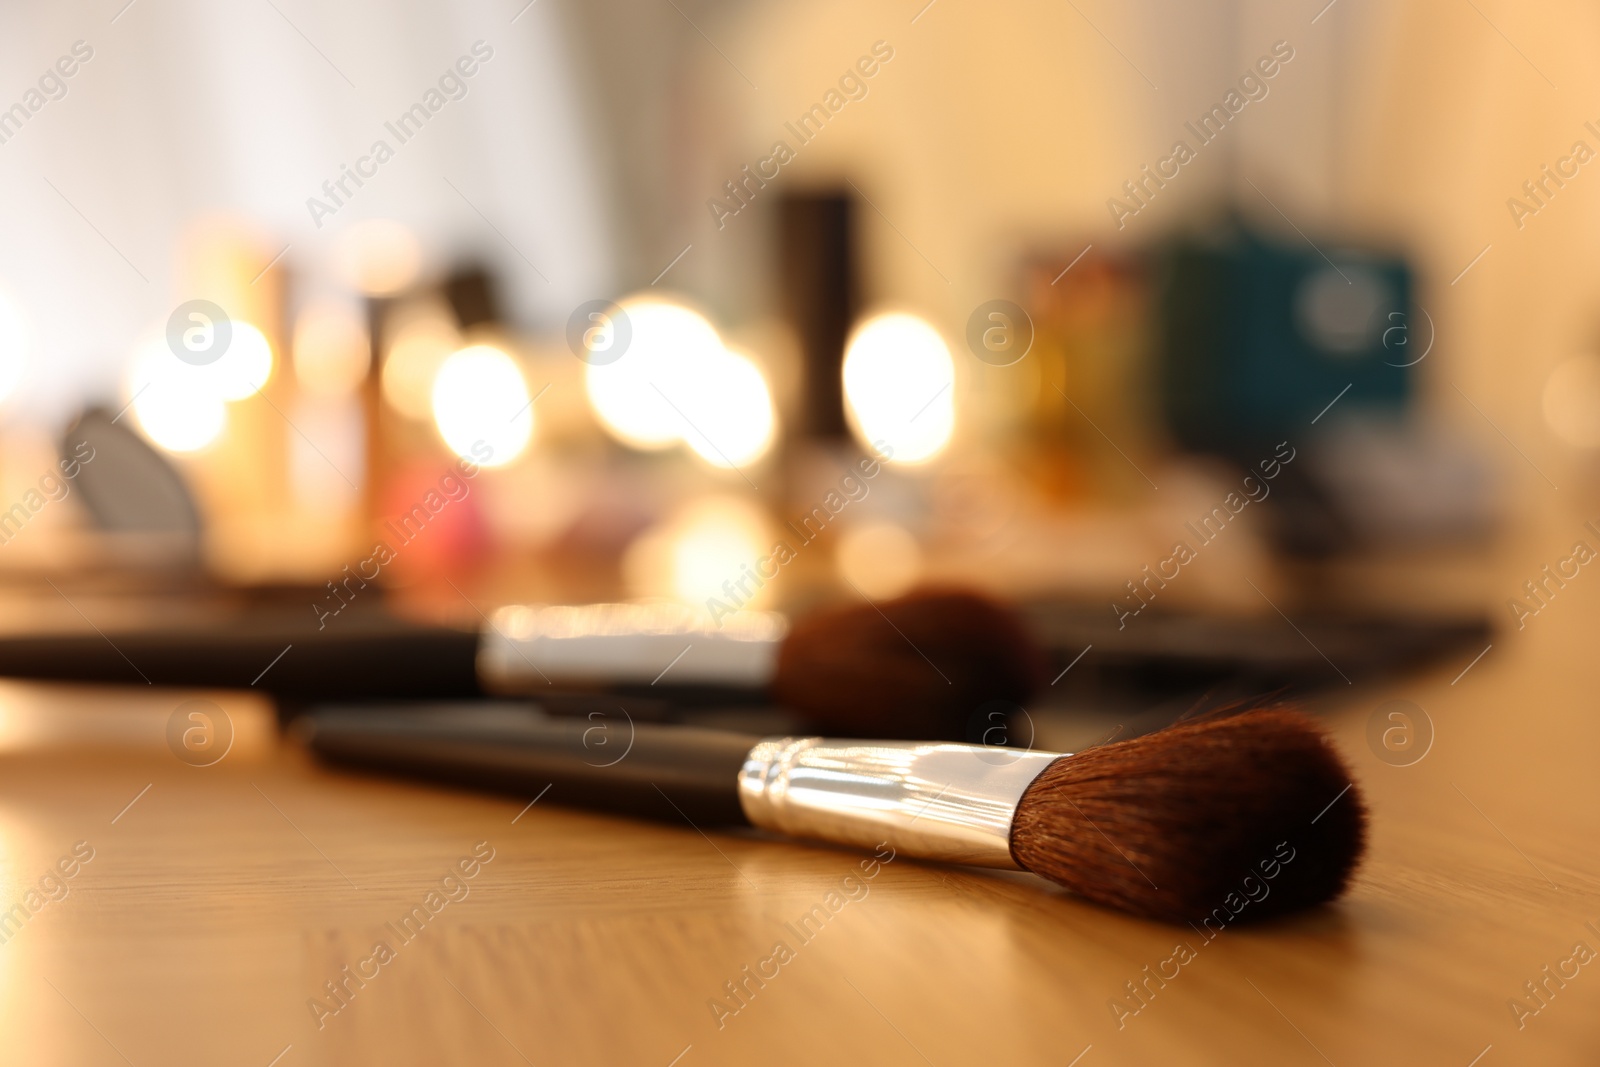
<point>219,900</point>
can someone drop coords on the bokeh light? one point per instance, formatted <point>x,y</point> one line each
<point>699,551</point>
<point>727,406</point>
<point>243,369</point>
<point>480,398</point>
<point>899,386</point>
<point>630,395</point>
<point>177,407</point>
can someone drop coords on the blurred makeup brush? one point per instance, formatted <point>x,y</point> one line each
<point>920,665</point>
<point>1174,825</point>
<point>858,670</point>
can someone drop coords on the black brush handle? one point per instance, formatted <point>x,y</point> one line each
<point>374,657</point>
<point>610,763</point>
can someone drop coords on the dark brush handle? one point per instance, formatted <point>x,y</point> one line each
<point>610,763</point>
<point>365,657</point>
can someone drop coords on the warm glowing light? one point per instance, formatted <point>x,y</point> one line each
<point>1572,401</point>
<point>331,349</point>
<point>559,622</point>
<point>480,398</point>
<point>633,395</point>
<point>13,345</point>
<point>727,408</point>
<point>177,407</point>
<point>242,370</point>
<point>421,345</point>
<point>705,550</point>
<point>880,558</point>
<point>380,257</point>
<point>898,385</point>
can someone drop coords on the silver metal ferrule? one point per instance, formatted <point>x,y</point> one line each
<point>529,646</point>
<point>933,800</point>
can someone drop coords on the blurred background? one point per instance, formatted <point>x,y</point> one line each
<point>1171,325</point>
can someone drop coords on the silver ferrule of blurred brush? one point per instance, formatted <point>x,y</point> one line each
<point>937,801</point>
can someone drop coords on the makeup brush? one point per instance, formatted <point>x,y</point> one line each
<point>857,670</point>
<point>922,665</point>
<point>1240,817</point>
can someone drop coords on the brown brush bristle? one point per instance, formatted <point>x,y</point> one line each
<point>1188,823</point>
<point>922,666</point>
